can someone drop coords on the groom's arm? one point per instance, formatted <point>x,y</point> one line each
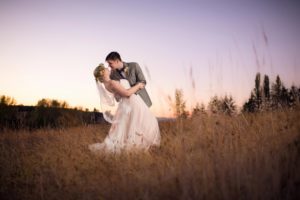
<point>139,74</point>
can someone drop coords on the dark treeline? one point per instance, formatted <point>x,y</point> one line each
<point>271,96</point>
<point>46,114</point>
<point>265,96</point>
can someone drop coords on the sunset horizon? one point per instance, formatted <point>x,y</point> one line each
<point>49,49</point>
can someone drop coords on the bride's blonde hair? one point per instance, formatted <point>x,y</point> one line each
<point>99,72</point>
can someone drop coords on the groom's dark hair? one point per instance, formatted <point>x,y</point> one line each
<point>113,56</point>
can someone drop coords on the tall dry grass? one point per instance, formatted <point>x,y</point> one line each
<point>254,156</point>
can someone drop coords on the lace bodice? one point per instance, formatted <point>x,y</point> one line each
<point>125,84</point>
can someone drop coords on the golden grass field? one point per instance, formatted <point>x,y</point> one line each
<point>251,156</point>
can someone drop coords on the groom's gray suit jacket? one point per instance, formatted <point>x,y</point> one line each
<point>134,75</point>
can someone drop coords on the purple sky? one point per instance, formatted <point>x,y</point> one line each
<point>50,48</point>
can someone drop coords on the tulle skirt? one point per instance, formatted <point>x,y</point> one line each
<point>133,127</point>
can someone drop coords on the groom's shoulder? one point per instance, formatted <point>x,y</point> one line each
<point>132,64</point>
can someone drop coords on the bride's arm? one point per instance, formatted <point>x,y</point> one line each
<point>119,89</point>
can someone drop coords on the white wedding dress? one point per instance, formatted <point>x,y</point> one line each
<point>133,127</point>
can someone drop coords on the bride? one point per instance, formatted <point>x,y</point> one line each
<point>133,125</point>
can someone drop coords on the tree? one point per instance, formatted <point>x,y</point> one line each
<point>7,101</point>
<point>214,105</point>
<point>266,88</point>
<point>180,106</point>
<point>293,96</point>
<point>258,91</point>
<point>260,96</point>
<point>279,94</point>
<point>52,103</point>
<point>284,96</point>
<point>276,92</point>
<point>43,103</point>
<point>55,103</point>
<point>228,106</point>
<point>64,104</point>
<point>266,94</point>
<point>250,105</point>
<point>225,105</point>
<point>198,110</point>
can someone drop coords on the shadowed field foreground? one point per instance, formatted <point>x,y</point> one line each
<point>253,156</point>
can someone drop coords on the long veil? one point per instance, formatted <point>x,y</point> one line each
<point>107,102</point>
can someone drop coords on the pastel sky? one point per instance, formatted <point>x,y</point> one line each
<point>49,49</point>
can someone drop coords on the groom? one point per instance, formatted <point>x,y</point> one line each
<point>130,71</point>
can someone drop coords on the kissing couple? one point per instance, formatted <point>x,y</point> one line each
<point>124,103</point>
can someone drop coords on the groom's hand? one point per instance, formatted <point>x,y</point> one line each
<point>141,85</point>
